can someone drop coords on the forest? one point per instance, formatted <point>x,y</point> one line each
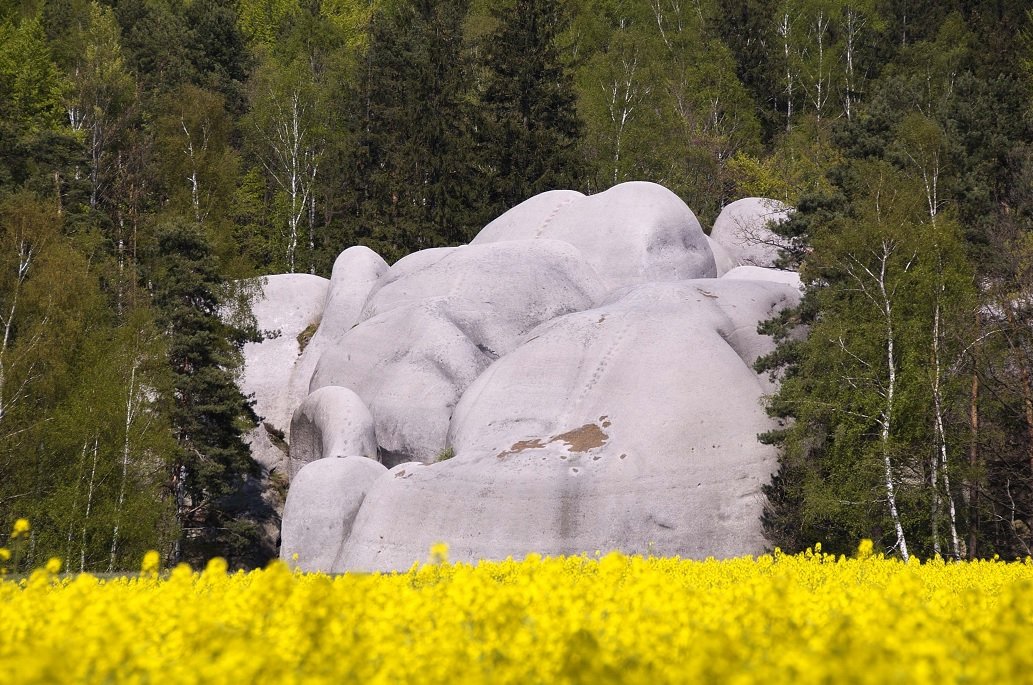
<point>158,155</point>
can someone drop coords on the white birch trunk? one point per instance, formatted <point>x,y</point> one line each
<point>89,505</point>
<point>890,398</point>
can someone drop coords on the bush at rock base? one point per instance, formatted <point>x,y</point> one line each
<point>776,618</point>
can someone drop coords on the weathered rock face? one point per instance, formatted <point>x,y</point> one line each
<point>331,422</point>
<point>635,232</point>
<point>581,360</point>
<point>321,507</point>
<point>289,304</point>
<point>741,229</point>
<point>428,331</point>
<point>355,272</point>
<point>631,426</point>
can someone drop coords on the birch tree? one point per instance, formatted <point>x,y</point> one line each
<point>871,449</point>
<point>288,134</point>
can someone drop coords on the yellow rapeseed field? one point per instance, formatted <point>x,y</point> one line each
<point>806,618</point>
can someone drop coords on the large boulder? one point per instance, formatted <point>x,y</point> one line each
<point>635,232</point>
<point>427,331</point>
<point>355,273</point>
<point>331,422</point>
<point>321,507</point>
<point>742,229</point>
<point>631,426</point>
<point>289,303</point>
<point>529,219</point>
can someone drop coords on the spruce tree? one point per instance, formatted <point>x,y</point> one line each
<point>529,94</point>
<point>209,414</point>
<point>416,165</point>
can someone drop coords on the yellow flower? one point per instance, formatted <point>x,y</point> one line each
<point>53,565</point>
<point>439,553</point>
<point>864,550</point>
<point>5,554</point>
<point>21,527</point>
<point>151,563</point>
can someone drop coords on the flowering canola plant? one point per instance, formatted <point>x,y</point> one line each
<point>807,618</point>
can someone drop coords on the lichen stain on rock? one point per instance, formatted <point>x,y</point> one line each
<point>581,439</point>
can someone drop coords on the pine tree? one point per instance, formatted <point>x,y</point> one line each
<point>534,127</point>
<point>209,414</point>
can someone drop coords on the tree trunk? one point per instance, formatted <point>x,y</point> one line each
<point>887,415</point>
<point>973,463</point>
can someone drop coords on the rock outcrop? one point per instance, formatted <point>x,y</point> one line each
<point>289,304</point>
<point>427,331</point>
<point>635,232</point>
<point>356,271</point>
<point>578,378</point>
<point>630,426</point>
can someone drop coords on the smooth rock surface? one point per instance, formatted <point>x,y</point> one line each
<point>289,304</point>
<point>629,426</point>
<point>742,230</point>
<point>758,273</point>
<point>321,506</point>
<point>635,232</point>
<point>425,334</point>
<point>355,273</point>
<point>723,261</point>
<point>331,422</point>
<point>529,219</point>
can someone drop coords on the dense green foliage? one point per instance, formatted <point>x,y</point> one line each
<point>150,149</point>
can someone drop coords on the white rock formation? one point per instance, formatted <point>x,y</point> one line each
<point>722,260</point>
<point>587,361</point>
<point>426,334</point>
<point>742,230</point>
<point>632,426</point>
<point>288,305</point>
<point>758,273</point>
<point>635,232</point>
<point>356,271</point>
<point>331,422</point>
<point>321,506</point>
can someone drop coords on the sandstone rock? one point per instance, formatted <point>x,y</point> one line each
<point>757,273</point>
<point>631,426</point>
<point>356,271</point>
<point>722,260</point>
<point>331,422</point>
<point>426,334</point>
<point>289,303</point>
<point>321,507</point>
<point>741,229</point>
<point>529,219</point>
<point>634,232</point>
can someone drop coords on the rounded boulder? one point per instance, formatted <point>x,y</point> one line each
<point>635,232</point>
<point>321,507</point>
<point>743,230</point>
<point>331,422</point>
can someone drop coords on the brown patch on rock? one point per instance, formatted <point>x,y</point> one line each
<point>519,447</point>
<point>582,439</point>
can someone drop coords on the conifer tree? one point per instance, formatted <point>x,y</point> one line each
<point>209,415</point>
<point>534,126</point>
<point>417,167</point>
